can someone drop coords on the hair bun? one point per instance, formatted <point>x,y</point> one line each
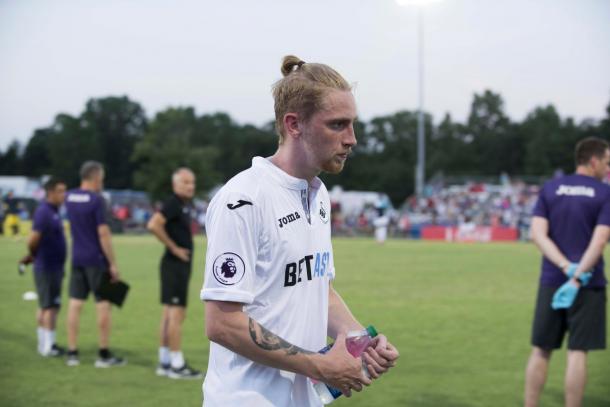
<point>289,62</point>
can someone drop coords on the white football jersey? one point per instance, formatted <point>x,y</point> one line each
<point>269,248</point>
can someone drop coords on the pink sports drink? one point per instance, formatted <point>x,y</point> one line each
<point>356,343</point>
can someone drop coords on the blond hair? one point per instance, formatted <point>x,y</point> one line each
<point>302,89</point>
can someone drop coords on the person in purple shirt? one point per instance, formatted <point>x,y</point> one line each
<point>571,226</point>
<point>92,261</point>
<point>47,250</point>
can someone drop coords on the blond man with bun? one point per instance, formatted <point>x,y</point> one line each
<point>269,300</point>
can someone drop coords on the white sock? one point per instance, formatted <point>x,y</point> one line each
<point>164,357</point>
<point>177,360</point>
<point>48,341</point>
<point>40,335</point>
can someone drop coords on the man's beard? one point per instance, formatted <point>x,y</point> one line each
<point>333,166</point>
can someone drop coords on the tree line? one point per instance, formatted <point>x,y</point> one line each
<point>140,152</point>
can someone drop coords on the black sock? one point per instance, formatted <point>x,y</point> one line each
<point>104,353</point>
<point>73,352</point>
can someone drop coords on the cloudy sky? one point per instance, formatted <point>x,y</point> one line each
<point>224,55</point>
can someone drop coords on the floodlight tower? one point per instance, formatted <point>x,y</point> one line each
<point>420,175</point>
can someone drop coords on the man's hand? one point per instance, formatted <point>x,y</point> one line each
<point>114,273</point>
<point>566,294</point>
<point>584,278</point>
<point>341,370</point>
<point>25,260</point>
<point>380,356</point>
<point>182,253</point>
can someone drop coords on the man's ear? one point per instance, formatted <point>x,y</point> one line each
<point>291,125</point>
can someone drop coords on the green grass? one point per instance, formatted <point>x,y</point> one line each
<point>460,315</point>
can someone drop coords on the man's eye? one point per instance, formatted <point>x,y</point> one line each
<point>337,125</point>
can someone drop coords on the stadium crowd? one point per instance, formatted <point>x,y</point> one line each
<point>508,204</point>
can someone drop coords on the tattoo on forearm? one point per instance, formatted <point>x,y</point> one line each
<point>267,340</point>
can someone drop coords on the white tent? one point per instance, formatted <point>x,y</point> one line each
<point>22,187</point>
<point>353,202</point>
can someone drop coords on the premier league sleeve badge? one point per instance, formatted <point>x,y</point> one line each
<point>228,268</point>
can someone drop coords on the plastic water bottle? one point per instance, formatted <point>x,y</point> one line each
<point>356,343</point>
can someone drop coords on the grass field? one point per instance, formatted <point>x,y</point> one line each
<point>460,315</point>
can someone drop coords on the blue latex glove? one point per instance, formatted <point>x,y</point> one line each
<point>584,278</point>
<point>564,297</point>
<point>571,269</point>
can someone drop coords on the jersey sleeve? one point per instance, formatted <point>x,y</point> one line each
<point>541,207</point>
<point>233,225</point>
<point>40,222</point>
<point>170,209</point>
<point>604,214</point>
<point>100,212</point>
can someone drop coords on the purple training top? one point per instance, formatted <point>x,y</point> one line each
<point>573,205</point>
<point>86,211</point>
<point>51,253</point>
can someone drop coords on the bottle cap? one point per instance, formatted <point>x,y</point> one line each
<point>371,330</point>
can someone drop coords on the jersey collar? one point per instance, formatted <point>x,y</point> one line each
<point>282,177</point>
<point>50,205</point>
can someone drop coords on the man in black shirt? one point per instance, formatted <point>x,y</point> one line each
<point>172,226</point>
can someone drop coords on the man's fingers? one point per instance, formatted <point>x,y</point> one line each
<point>372,353</point>
<point>382,342</point>
<point>390,353</point>
<point>372,372</point>
<point>183,254</point>
<point>377,364</point>
<point>365,380</point>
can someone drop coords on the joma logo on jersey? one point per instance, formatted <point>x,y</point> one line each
<point>288,219</point>
<point>79,198</point>
<point>575,190</point>
<point>309,267</point>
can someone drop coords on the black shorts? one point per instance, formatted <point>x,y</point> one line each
<point>175,276</point>
<point>585,320</point>
<point>84,280</point>
<point>48,287</point>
